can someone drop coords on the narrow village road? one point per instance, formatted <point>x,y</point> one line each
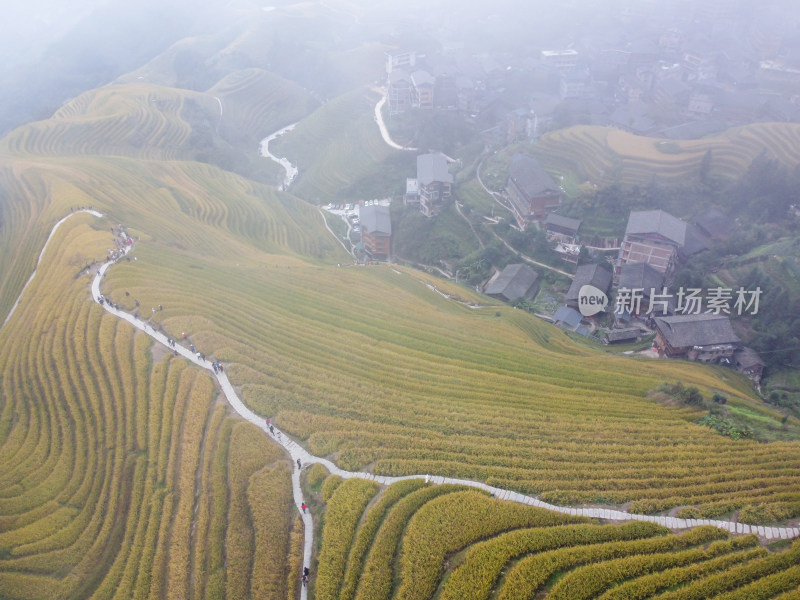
<point>336,237</point>
<point>296,451</point>
<point>529,259</point>
<point>495,196</point>
<point>382,126</point>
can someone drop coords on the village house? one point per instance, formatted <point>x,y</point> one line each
<point>702,337</point>
<point>376,230</point>
<point>531,190</point>
<point>567,318</point>
<point>423,83</point>
<point>594,275</point>
<point>565,227</point>
<point>641,276</point>
<point>514,282</point>
<point>411,197</point>
<point>434,183</point>
<point>747,361</point>
<point>714,224</point>
<point>627,335</point>
<point>400,93</point>
<point>657,238</point>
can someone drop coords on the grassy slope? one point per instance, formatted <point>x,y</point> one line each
<point>340,153</point>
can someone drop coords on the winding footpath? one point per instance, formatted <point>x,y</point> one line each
<point>296,451</point>
<point>41,254</point>
<point>382,126</point>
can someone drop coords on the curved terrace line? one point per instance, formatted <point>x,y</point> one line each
<point>41,254</point>
<point>296,451</point>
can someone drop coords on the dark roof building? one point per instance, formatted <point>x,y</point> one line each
<point>704,337</point>
<point>376,230</point>
<point>531,190</point>
<point>657,223</point>
<point>434,183</point>
<point>515,281</point>
<point>747,361</point>
<point>714,224</point>
<point>640,276</point>
<point>658,239</point>
<point>560,224</point>
<point>567,318</point>
<point>621,336</point>
<point>595,275</point>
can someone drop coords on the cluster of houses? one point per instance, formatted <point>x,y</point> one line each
<point>655,244</point>
<point>666,70</point>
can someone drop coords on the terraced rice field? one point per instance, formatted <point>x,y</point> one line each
<point>415,541</point>
<point>125,120</point>
<point>602,154</point>
<point>123,472</point>
<point>126,476</point>
<point>373,367</point>
<point>256,102</point>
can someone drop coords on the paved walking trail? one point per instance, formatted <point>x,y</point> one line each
<point>382,126</point>
<point>298,452</point>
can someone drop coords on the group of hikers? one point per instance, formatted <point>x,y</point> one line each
<point>121,248</point>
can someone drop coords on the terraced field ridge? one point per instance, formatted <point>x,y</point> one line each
<point>417,541</point>
<point>603,154</point>
<point>123,473</point>
<point>297,452</point>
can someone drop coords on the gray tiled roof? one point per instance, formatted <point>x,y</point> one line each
<point>682,331</point>
<point>530,177</point>
<point>376,219</point>
<point>514,282</point>
<point>595,275</point>
<point>562,221</point>
<point>657,221</point>
<point>640,275</point>
<point>419,78</point>
<point>715,222</point>
<point>616,335</point>
<point>432,167</point>
<point>568,316</point>
<point>747,358</point>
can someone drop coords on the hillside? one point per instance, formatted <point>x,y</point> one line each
<point>125,472</point>
<point>340,153</point>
